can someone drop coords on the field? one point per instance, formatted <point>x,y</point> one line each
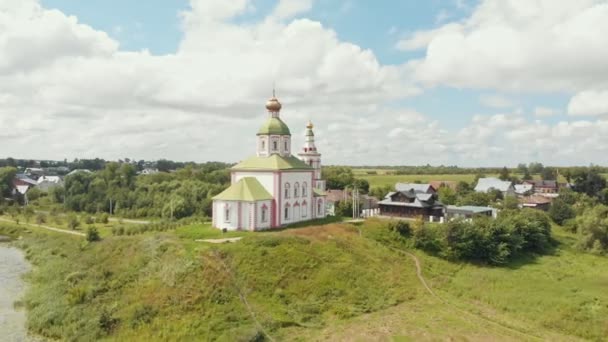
<point>332,282</point>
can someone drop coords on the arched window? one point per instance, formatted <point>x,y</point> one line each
<point>287,207</point>
<point>227,213</point>
<point>320,207</point>
<point>263,144</point>
<point>296,190</point>
<point>286,190</point>
<point>275,145</point>
<point>264,215</point>
<point>286,148</point>
<point>304,189</point>
<point>304,209</point>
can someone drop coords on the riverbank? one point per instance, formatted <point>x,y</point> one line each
<point>12,288</point>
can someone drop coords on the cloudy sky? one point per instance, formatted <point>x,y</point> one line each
<point>472,83</point>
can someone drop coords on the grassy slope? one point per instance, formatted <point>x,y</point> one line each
<point>321,283</point>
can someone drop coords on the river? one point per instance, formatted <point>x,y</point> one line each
<point>12,267</point>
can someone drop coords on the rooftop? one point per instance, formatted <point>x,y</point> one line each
<point>272,162</point>
<point>246,189</point>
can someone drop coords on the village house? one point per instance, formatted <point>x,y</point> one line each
<point>448,184</point>
<point>273,188</point>
<point>544,186</point>
<point>468,212</point>
<point>412,201</point>
<point>523,189</point>
<point>486,185</point>
<point>45,183</point>
<point>535,202</point>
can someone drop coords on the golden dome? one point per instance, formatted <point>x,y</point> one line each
<point>273,105</point>
<point>309,126</point>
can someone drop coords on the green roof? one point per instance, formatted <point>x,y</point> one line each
<point>274,126</point>
<point>246,189</point>
<point>318,193</point>
<point>273,162</point>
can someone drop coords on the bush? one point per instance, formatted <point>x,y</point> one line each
<point>561,211</point>
<point>73,222</point>
<point>40,218</point>
<point>401,227</point>
<point>142,315</point>
<point>89,220</point>
<point>103,218</point>
<point>92,234</point>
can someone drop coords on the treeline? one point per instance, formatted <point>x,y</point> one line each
<point>532,168</point>
<point>117,189</point>
<point>98,164</point>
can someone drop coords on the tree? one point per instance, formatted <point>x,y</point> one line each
<point>362,185</point>
<point>548,173</point>
<point>527,175</point>
<point>561,211</point>
<point>338,177</point>
<point>536,167</point>
<point>447,195</point>
<point>7,175</point>
<point>589,181</point>
<point>73,222</point>
<point>510,202</point>
<point>505,174</point>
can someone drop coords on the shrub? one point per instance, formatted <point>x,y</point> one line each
<point>561,211</point>
<point>143,314</point>
<point>73,222</point>
<point>103,218</point>
<point>89,220</point>
<point>401,227</point>
<point>92,234</point>
<point>40,218</point>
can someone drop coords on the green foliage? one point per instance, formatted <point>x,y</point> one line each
<point>40,218</point>
<point>592,229</point>
<point>504,174</point>
<point>89,220</point>
<point>344,208</point>
<point>338,177</point>
<point>73,222</point>
<point>484,239</point>
<point>7,174</point>
<point>561,211</point>
<point>510,202</point>
<point>103,218</point>
<point>92,234</point>
<point>447,195</point>
<point>589,181</point>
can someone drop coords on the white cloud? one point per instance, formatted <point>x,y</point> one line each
<point>544,112</point>
<point>71,92</point>
<point>286,9</point>
<point>541,45</point>
<point>496,101</point>
<point>590,102</point>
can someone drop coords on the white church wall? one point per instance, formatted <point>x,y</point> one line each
<point>222,221</point>
<point>265,178</point>
<point>263,222</point>
<point>297,212</point>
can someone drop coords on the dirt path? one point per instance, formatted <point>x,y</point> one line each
<point>452,306</point>
<point>234,239</point>
<point>243,299</point>
<point>58,230</point>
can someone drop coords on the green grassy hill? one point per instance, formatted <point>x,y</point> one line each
<point>333,282</point>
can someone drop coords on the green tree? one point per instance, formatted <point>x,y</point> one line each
<point>7,175</point>
<point>338,177</point>
<point>505,174</point>
<point>447,195</point>
<point>548,173</point>
<point>589,181</point>
<point>561,211</point>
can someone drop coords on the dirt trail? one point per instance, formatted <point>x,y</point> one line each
<point>58,230</point>
<point>452,306</point>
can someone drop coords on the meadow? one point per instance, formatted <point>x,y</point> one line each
<point>333,281</point>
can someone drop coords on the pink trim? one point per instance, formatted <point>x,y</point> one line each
<point>312,193</point>
<point>279,204</point>
<point>213,215</point>
<point>239,222</point>
<point>253,210</point>
<point>296,204</point>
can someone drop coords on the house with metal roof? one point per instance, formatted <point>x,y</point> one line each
<point>417,187</point>
<point>468,212</point>
<point>273,188</point>
<point>488,184</point>
<point>412,203</point>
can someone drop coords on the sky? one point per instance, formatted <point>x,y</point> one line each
<point>440,82</point>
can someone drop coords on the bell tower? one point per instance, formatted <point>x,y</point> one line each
<point>312,157</point>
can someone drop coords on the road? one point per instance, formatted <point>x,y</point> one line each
<point>58,230</point>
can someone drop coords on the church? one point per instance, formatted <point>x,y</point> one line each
<point>273,188</point>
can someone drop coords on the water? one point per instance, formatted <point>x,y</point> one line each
<point>12,266</point>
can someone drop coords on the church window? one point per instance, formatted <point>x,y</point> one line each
<point>275,145</point>
<point>227,214</point>
<point>264,213</point>
<point>304,189</point>
<point>286,148</point>
<point>263,144</point>
<point>304,209</point>
<point>286,213</point>
<point>286,190</point>
<point>319,207</point>
<point>296,190</point>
